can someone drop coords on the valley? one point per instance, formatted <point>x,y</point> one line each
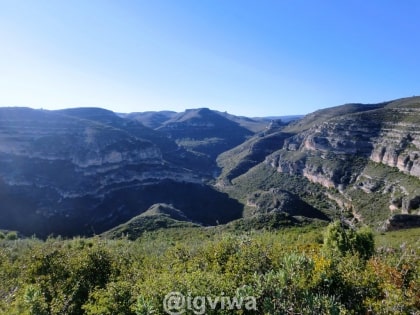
<point>105,213</point>
<point>88,170</point>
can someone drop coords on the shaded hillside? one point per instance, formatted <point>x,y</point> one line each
<point>158,216</point>
<point>255,125</point>
<point>82,171</point>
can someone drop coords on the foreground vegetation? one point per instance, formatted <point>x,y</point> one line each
<point>309,270</point>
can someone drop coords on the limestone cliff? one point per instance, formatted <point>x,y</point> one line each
<point>340,153</point>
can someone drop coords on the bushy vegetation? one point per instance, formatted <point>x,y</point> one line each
<point>9,235</point>
<point>264,177</point>
<point>310,270</point>
<point>341,239</point>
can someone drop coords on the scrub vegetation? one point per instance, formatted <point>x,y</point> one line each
<point>294,270</point>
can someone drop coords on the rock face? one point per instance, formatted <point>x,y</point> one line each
<point>365,156</point>
<point>80,171</point>
<point>341,152</point>
<point>399,147</point>
<point>402,221</point>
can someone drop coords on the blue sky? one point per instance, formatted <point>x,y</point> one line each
<point>254,58</point>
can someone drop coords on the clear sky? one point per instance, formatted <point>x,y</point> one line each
<point>254,58</point>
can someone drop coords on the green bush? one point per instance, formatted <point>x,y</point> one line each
<point>11,236</point>
<point>115,299</point>
<point>35,301</point>
<point>340,240</point>
<point>363,243</point>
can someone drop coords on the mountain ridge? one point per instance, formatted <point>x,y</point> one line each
<point>87,170</point>
<point>357,154</point>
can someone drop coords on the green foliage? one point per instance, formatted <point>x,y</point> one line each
<point>35,301</point>
<point>64,279</point>
<point>341,240</point>
<point>286,271</point>
<point>11,236</point>
<point>262,178</point>
<point>115,299</point>
<point>337,239</point>
<point>364,243</point>
<point>144,307</point>
<point>138,225</point>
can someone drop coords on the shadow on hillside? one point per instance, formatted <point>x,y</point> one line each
<point>200,203</point>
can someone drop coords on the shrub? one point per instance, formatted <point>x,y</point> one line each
<point>115,299</point>
<point>35,301</point>
<point>11,236</point>
<point>340,240</point>
<point>363,243</point>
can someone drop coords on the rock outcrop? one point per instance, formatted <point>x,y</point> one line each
<point>402,221</point>
<point>356,152</point>
<point>338,153</point>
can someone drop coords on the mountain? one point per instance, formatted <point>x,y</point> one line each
<point>151,119</point>
<point>83,171</point>
<point>156,119</point>
<point>362,160</point>
<point>238,160</point>
<point>204,132</point>
<point>86,171</point>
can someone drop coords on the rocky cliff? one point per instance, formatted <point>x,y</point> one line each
<point>365,156</point>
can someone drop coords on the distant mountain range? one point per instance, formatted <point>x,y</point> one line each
<point>88,170</point>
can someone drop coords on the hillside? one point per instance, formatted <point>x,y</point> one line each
<point>151,119</point>
<point>364,159</point>
<point>238,160</point>
<point>158,216</point>
<point>205,132</point>
<point>84,171</point>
